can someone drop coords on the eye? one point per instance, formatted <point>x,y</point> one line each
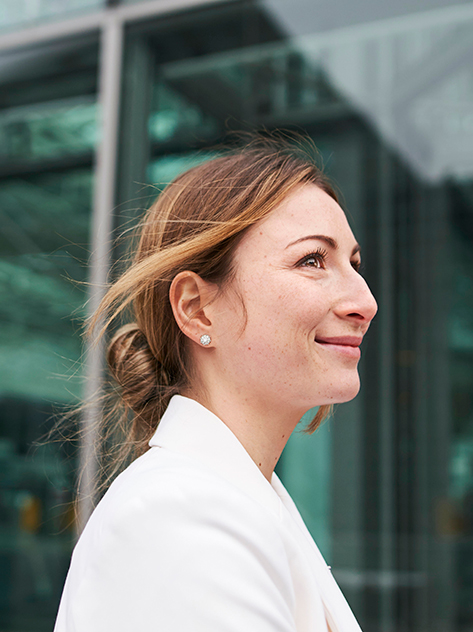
<point>356,265</point>
<point>314,259</point>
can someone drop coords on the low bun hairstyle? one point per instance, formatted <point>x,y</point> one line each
<point>195,224</point>
<point>139,375</point>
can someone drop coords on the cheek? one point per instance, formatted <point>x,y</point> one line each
<point>286,302</point>
<point>267,307</point>
<point>279,321</point>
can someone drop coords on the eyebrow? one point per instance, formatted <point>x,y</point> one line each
<point>328,240</point>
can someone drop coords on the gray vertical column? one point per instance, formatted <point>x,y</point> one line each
<point>111,52</point>
<point>386,347</point>
<point>386,384</point>
<point>443,562</point>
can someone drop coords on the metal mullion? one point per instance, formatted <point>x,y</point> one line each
<point>386,300</point>
<point>110,77</point>
<point>90,22</point>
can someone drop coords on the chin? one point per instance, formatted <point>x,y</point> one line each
<point>345,394</point>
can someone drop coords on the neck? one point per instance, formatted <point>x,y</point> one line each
<point>262,430</point>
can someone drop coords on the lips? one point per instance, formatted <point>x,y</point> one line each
<point>348,341</point>
<point>349,346</point>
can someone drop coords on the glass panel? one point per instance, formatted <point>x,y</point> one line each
<point>44,249</point>
<point>263,86</point>
<point>461,372</point>
<point>173,114</point>
<point>310,484</point>
<point>163,170</point>
<point>22,13</point>
<point>43,244</point>
<point>48,130</point>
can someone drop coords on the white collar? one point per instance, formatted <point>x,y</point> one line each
<point>191,429</point>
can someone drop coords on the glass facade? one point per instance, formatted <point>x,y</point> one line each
<point>48,135</point>
<point>386,486</point>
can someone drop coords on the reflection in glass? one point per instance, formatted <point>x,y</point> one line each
<point>173,114</point>
<point>49,130</point>
<point>22,13</point>
<point>44,250</point>
<point>163,170</point>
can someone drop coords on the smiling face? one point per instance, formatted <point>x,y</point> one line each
<point>306,308</point>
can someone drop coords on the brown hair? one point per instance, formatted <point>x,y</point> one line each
<point>195,224</point>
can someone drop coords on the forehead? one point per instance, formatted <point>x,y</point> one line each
<point>307,211</point>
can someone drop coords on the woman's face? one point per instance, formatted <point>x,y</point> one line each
<point>306,307</point>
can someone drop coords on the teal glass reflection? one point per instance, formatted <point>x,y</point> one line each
<point>460,517</point>
<point>16,15</point>
<point>163,170</point>
<point>43,255</point>
<point>48,130</point>
<point>173,115</point>
<point>271,85</point>
<point>305,469</point>
<point>44,248</point>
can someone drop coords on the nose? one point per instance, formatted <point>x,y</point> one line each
<point>357,302</point>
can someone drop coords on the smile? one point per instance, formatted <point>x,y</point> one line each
<point>349,346</point>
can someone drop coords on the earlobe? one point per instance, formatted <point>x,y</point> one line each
<point>190,297</point>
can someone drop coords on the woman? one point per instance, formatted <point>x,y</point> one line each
<point>248,310</point>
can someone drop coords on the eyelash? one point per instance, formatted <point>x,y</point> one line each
<point>320,256</point>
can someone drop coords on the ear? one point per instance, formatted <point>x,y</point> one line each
<point>190,297</point>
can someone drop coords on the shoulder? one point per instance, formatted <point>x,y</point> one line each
<point>168,495</point>
<point>173,536</point>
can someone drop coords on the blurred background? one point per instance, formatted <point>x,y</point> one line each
<point>100,99</point>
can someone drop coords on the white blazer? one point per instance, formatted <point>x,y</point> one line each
<point>193,538</point>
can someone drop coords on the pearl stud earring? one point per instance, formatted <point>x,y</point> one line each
<point>205,340</point>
